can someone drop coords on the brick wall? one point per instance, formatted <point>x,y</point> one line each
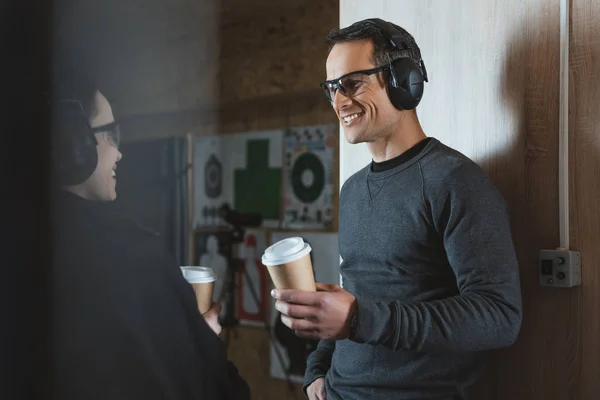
<point>205,65</point>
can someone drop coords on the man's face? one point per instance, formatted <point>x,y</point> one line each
<point>101,185</point>
<point>368,114</point>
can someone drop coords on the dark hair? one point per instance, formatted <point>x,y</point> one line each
<point>71,84</point>
<point>383,51</point>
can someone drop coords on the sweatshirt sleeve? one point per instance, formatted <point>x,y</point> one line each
<point>318,362</point>
<point>472,220</point>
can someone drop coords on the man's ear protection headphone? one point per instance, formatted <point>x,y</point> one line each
<point>406,78</point>
<point>75,156</point>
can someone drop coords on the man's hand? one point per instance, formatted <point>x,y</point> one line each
<point>316,390</point>
<point>324,314</point>
<point>212,318</point>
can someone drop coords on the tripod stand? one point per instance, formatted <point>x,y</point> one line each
<point>228,298</point>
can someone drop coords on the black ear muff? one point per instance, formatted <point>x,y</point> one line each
<point>406,76</point>
<point>78,163</point>
<point>75,156</point>
<point>405,84</point>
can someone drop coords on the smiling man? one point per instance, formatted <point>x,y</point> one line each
<point>430,275</point>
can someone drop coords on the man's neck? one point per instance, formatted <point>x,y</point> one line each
<point>405,135</point>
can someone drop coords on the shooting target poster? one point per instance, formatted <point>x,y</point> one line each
<point>209,181</point>
<point>309,156</point>
<point>243,170</point>
<point>254,167</point>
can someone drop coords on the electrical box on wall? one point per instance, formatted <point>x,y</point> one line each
<point>560,268</point>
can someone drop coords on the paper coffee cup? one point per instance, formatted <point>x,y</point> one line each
<point>202,280</point>
<point>289,265</point>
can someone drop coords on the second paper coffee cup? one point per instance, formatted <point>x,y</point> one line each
<point>289,264</point>
<point>202,280</point>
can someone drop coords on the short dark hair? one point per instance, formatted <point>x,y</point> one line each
<point>69,83</point>
<point>383,51</point>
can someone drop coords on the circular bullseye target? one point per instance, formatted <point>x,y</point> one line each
<point>308,178</point>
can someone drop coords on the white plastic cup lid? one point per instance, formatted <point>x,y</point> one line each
<point>285,251</point>
<point>198,274</point>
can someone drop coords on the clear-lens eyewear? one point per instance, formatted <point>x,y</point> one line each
<point>112,130</point>
<point>350,84</point>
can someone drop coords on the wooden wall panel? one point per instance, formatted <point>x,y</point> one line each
<point>541,364</point>
<point>272,58</point>
<point>585,185</point>
<point>270,48</point>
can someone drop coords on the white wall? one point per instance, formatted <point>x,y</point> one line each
<point>464,45</point>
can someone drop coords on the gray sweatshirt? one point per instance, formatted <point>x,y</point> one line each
<point>427,251</point>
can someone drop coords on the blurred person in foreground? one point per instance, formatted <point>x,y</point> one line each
<point>126,322</point>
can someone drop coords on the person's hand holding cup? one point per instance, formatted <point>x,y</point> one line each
<point>202,280</point>
<point>212,318</point>
<point>311,310</point>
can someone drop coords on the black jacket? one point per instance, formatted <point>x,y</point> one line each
<point>126,324</point>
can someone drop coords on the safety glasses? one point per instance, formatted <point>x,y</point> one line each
<point>350,84</point>
<point>111,130</point>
